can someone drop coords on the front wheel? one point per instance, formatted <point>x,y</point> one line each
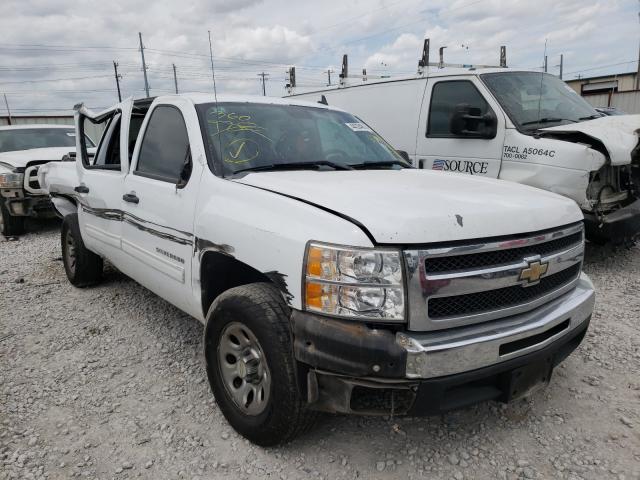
<point>250,365</point>
<point>10,226</point>
<point>83,267</point>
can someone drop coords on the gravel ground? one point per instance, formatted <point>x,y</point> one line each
<point>109,382</point>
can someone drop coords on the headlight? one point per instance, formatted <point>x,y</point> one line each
<point>354,282</point>
<point>11,180</point>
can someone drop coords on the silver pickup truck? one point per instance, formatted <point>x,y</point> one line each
<point>23,149</point>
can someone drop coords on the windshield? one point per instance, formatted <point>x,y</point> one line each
<point>27,138</point>
<point>537,100</point>
<point>254,136</point>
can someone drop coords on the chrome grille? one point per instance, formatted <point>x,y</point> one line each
<point>478,282</point>
<point>31,183</point>
<point>500,298</point>
<point>499,257</point>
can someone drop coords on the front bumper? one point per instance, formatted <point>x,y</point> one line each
<point>39,206</point>
<point>618,226</point>
<point>418,372</point>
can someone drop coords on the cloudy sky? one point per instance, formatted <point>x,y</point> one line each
<point>55,53</point>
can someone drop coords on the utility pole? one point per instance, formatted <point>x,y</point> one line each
<point>638,72</point>
<point>6,102</point>
<point>144,65</point>
<point>545,64</point>
<point>561,65</point>
<point>175,77</point>
<point>118,77</point>
<point>264,90</point>
<point>329,72</point>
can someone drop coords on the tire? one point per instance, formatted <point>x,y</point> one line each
<point>10,226</point>
<point>83,267</point>
<point>277,413</point>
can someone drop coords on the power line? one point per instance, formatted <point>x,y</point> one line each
<point>54,79</point>
<point>601,67</point>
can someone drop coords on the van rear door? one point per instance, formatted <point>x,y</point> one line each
<point>461,128</point>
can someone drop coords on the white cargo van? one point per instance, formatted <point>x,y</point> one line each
<point>524,126</point>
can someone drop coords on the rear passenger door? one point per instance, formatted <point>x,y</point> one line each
<point>461,128</point>
<point>159,201</point>
<point>101,179</point>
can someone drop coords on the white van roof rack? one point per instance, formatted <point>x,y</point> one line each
<point>423,65</point>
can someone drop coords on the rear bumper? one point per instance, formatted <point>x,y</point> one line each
<point>618,226</point>
<point>425,373</point>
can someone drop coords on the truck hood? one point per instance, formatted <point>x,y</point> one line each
<point>617,134</point>
<point>20,158</point>
<point>413,206</point>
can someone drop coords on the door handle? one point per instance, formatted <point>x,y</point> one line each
<point>81,189</point>
<point>131,198</point>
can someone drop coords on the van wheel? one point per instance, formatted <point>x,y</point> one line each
<point>10,226</point>
<point>82,266</point>
<point>251,367</point>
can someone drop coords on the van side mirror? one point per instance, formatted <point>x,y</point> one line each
<point>185,173</point>
<point>468,121</point>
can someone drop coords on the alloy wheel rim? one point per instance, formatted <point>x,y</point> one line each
<point>244,370</point>
<point>70,251</point>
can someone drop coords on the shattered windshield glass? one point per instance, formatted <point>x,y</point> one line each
<point>537,100</point>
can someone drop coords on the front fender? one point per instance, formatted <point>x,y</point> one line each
<point>266,231</point>
<point>64,206</point>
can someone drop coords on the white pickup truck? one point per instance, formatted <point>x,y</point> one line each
<point>522,126</point>
<point>329,274</point>
<point>23,148</point>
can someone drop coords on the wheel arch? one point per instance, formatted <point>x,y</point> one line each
<point>220,272</point>
<point>64,205</point>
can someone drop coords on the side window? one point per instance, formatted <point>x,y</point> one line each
<point>165,146</point>
<point>107,155</point>
<point>458,109</point>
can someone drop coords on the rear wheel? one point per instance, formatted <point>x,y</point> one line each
<point>83,267</point>
<point>251,367</point>
<point>10,226</point>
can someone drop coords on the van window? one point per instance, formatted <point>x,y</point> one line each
<point>165,146</point>
<point>537,100</point>
<point>446,98</point>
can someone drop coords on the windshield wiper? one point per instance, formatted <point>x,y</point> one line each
<point>388,163</point>
<point>295,166</point>
<point>549,120</point>
<point>591,117</point>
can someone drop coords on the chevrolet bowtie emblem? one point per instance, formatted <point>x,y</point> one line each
<point>533,272</point>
